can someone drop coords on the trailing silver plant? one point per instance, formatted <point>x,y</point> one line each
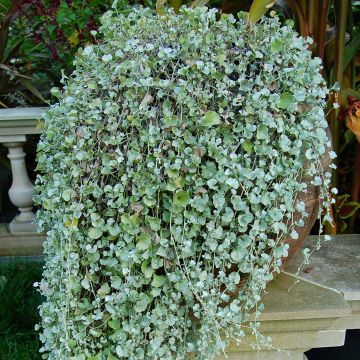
<point>170,171</point>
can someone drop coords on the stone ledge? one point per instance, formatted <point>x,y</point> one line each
<point>297,316</point>
<point>312,309</point>
<point>335,265</point>
<point>20,244</point>
<point>297,340</point>
<point>288,299</point>
<point>268,355</point>
<point>20,121</point>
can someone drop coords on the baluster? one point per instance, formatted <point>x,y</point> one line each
<point>21,192</point>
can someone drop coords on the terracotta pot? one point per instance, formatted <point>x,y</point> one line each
<point>312,204</point>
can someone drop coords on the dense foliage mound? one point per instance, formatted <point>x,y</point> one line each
<point>171,170</point>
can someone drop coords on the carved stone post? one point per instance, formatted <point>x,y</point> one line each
<point>22,190</point>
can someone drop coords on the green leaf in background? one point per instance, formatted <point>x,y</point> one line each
<point>27,83</point>
<point>196,3</point>
<point>158,281</point>
<point>211,118</point>
<point>258,9</point>
<point>285,100</point>
<point>160,6</point>
<point>114,324</point>
<point>94,233</point>
<point>175,4</point>
<point>348,209</point>
<point>143,241</point>
<point>276,46</point>
<point>351,49</point>
<point>66,194</point>
<point>142,303</point>
<point>181,198</point>
<point>247,146</point>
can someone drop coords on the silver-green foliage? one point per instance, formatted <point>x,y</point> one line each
<point>170,172</point>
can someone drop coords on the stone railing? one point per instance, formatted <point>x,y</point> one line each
<point>15,125</point>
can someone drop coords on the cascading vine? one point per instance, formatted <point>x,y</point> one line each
<point>170,171</point>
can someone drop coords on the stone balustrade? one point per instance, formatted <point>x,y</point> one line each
<point>15,125</point>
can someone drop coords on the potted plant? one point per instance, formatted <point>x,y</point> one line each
<point>173,172</point>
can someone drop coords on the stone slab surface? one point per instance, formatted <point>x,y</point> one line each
<point>335,265</point>
<point>20,121</point>
<point>289,299</point>
<point>298,316</point>
<point>11,138</point>
<point>264,355</point>
<point>22,113</point>
<point>23,228</point>
<point>293,340</point>
<point>20,244</point>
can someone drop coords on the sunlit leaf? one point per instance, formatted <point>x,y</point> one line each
<point>66,194</point>
<point>114,324</point>
<point>276,46</point>
<point>247,146</point>
<point>154,223</point>
<point>104,289</point>
<point>258,9</point>
<point>160,6</point>
<point>142,303</point>
<point>158,281</point>
<point>175,4</point>
<point>211,118</point>
<point>72,223</point>
<point>285,100</point>
<point>143,241</point>
<point>196,3</point>
<point>181,198</point>
<point>94,233</point>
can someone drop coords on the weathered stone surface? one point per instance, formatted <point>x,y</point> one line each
<point>314,308</point>
<point>20,121</point>
<point>335,265</point>
<point>20,244</point>
<point>266,355</point>
<point>289,299</point>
